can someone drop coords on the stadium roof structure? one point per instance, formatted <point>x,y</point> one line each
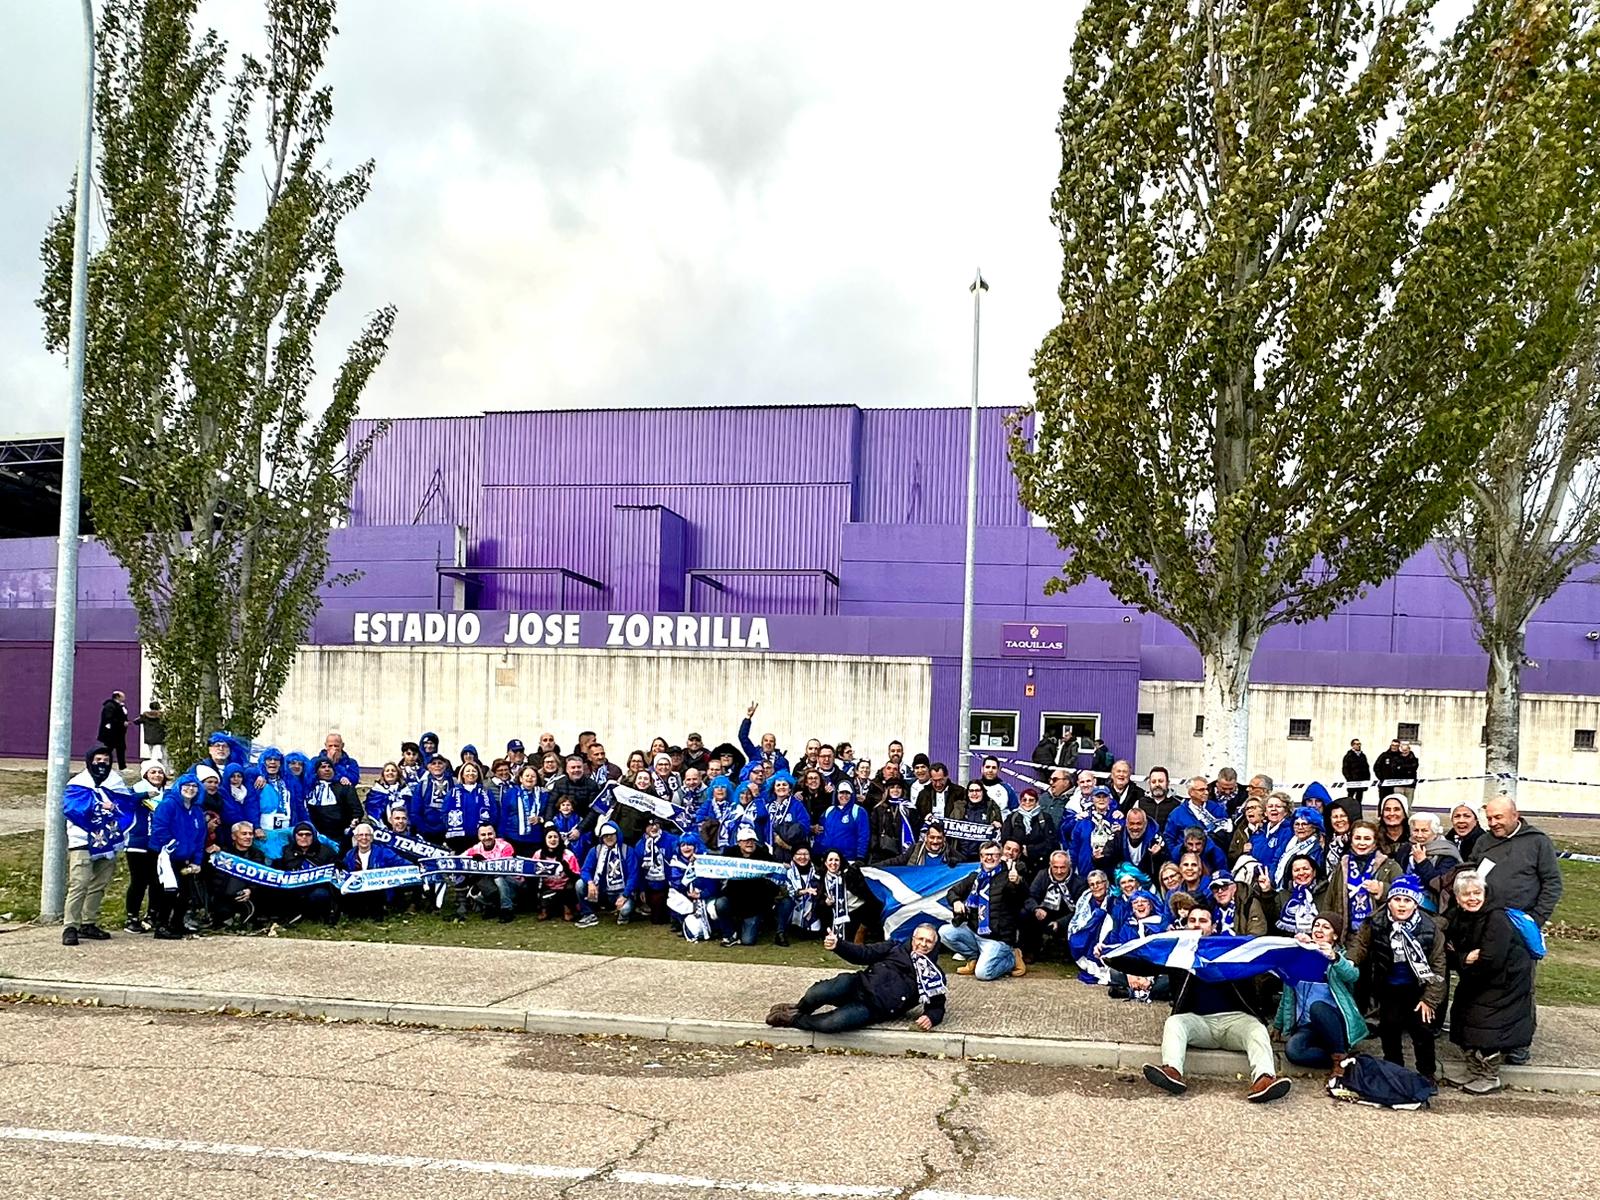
<point>30,487</point>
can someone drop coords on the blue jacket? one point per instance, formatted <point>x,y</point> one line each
<point>845,828</point>
<point>381,856</point>
<point>522,810</point>
<point>465,809</point>
<point>144,805</point>
<point>299,785</point>
<point>754,753</point>
<point>630,867</point>
<point>668,845</point>
<point>1182,819</point>
<point>248,809</point>
<point>179,830</point>
<point>382,796</point>
<point>1267,846</point>
<point>1082,849</point>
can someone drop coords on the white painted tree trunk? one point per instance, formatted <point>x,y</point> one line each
<point>1503,717</point>
<point>1226,706</point>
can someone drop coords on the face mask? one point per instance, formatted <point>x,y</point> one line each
<point>98,771</point>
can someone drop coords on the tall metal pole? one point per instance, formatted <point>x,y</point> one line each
<point>978,288</point>
<point>53,889</point>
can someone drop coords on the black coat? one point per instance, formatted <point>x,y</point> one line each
<point>113,721</point>
<point>890,980</point>
<point>1493,1007</point>
<point>1356,768</point>
<point>1038,844</point>
<point>1005,901</point>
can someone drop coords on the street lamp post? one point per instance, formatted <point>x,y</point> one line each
<point>53,885</point>
<point>964,734</point>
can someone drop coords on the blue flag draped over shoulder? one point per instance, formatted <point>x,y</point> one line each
<point>914,895</point>
<point>1220,958</point>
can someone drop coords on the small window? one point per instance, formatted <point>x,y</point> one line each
<point>1583,739</point>
<point>1483,736</point>
<point>1300,728</point>
<point>1147,723</point>
<point>1409,731</point>
<point>992,731</point>
<point>1200,725</point>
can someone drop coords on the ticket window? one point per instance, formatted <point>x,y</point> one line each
<point>1085,728</point>
<point>993,730</point>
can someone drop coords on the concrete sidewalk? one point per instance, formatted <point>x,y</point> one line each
<point>1034,1019</point>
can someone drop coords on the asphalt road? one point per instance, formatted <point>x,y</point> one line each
<point>97,1103</point>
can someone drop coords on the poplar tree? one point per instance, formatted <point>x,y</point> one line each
<point>213,470</point>
<point>1291,254</point>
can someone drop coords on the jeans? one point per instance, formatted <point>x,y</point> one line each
<point>1218,1031</point>
<point>87,880</point>
<point>1320,1040</point>
<point>995,958</point>
<point>604,902</point>
<point>496,891</point>
<point>850,1009</point>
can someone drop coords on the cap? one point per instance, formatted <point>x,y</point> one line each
<point>1221,879</point>
<point>746,833</point>
<point>609,829</point>
<point>514,744</point>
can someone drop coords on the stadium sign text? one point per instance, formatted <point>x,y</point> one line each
<point>559,630</point>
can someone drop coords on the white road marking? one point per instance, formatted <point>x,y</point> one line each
<point>470,1166</point>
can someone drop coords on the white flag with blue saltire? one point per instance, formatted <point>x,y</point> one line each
<point>914,895</point>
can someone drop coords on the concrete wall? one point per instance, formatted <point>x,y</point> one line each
<point>1450,729</point>
<point>379,697</point>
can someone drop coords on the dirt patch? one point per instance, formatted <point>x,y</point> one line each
<point>632,1058</point>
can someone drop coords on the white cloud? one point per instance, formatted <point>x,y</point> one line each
<point>656,205</point>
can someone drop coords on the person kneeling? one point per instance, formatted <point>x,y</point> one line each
<point>983,926</point>
<point>497,893</point>
<point>897,980</point>
<point>610,877</point>
<point>232,901</point>
<point>365,855</point>
<point>1216,1016</point>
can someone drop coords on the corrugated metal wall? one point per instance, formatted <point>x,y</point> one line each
<point>913,468</point>
<point>398,477</point>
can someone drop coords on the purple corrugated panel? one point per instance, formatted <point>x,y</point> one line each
<point>727,526</point>
<point>764,594</point>
<point>674,560</point>
<point>423,469</point>
<point>914,468</point>
<point>671,446</point>
<point>634,574</point>
<point>101,669</point>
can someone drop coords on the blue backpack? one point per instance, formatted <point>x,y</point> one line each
<point>1370,1080</point>
<point>1528,928</point>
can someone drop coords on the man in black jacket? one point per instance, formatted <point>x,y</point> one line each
<point>983,923</point>
<point>114,727</point>
<point>1356,772</point>
<point>1226,1016</point>
<point>304,852</point>
<point>898,979</point>
<point>576,784</point>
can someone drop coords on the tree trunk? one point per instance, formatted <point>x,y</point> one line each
<point>1225,705</point>
<point>1503,715</point>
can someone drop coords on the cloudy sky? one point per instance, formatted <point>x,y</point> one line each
<point>617,204</point>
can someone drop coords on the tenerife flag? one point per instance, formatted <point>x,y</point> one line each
<point>913,895</point>
<point>1220,958</point>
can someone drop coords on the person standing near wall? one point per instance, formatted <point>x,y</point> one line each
<point>113,732</point>
<point>98,810</point>
<point>1356,772</point>
<point>153,721</point>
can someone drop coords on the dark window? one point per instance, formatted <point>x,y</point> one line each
<point>1583,739</point>
<point>1147,723</point>
<point>1483,736</point>
<point>993,731</point>
<point>1200,726</point>
<point>1409,731</point>
<point>1300,728</point>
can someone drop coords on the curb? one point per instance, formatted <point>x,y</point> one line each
<point>1124,1057</point>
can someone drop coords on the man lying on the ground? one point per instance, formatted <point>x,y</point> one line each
<point>897,980</point>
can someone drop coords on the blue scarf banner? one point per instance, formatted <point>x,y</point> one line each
<point>379,879</point>
<point>655,805</point>
<point>530,867</point>
<point>409,846</point>
<point>252,872</point>
<point>726,866</point>
<point>969,831</point>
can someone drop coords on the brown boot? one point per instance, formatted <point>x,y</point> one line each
<point>781,1015</point>
<point>1268,1087</point>
<point>968,968</point>
<point>1021,968</point>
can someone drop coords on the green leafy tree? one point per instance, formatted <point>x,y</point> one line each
<point>209,470</point>
<point>1290,271</point>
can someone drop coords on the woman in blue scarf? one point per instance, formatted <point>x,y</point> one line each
<point>239,800</point>
<point>522,811</point>
<point>1299,898</point>
<point>1305,839</point>
<point>788,823</point>
<point>389,790</point>
<point>468,807</point>
<point>1144,916</point>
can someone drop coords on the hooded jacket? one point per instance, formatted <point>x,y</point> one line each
<point>845,828</point>
<point>177,828</point>
<point>1525,874</point>
<point>235,809</point>
<point>98,814</point>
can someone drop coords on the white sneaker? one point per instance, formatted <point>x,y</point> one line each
<point>588,922</point>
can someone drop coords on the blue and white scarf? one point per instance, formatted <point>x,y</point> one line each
<point>978,899</point>
<point>652,860</point>
<point>1203,817</point>
<point>805,906</point>
<point>838,900</point>
<point>930,980</point>
<point>321,794</point>
<point>1407,949</point>
<point>1299,911</point>
<point>1226,914</point>
<point>608,868</point>
<point>1355,875</point>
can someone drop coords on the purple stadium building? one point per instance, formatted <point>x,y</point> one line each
<point>643,571</point>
